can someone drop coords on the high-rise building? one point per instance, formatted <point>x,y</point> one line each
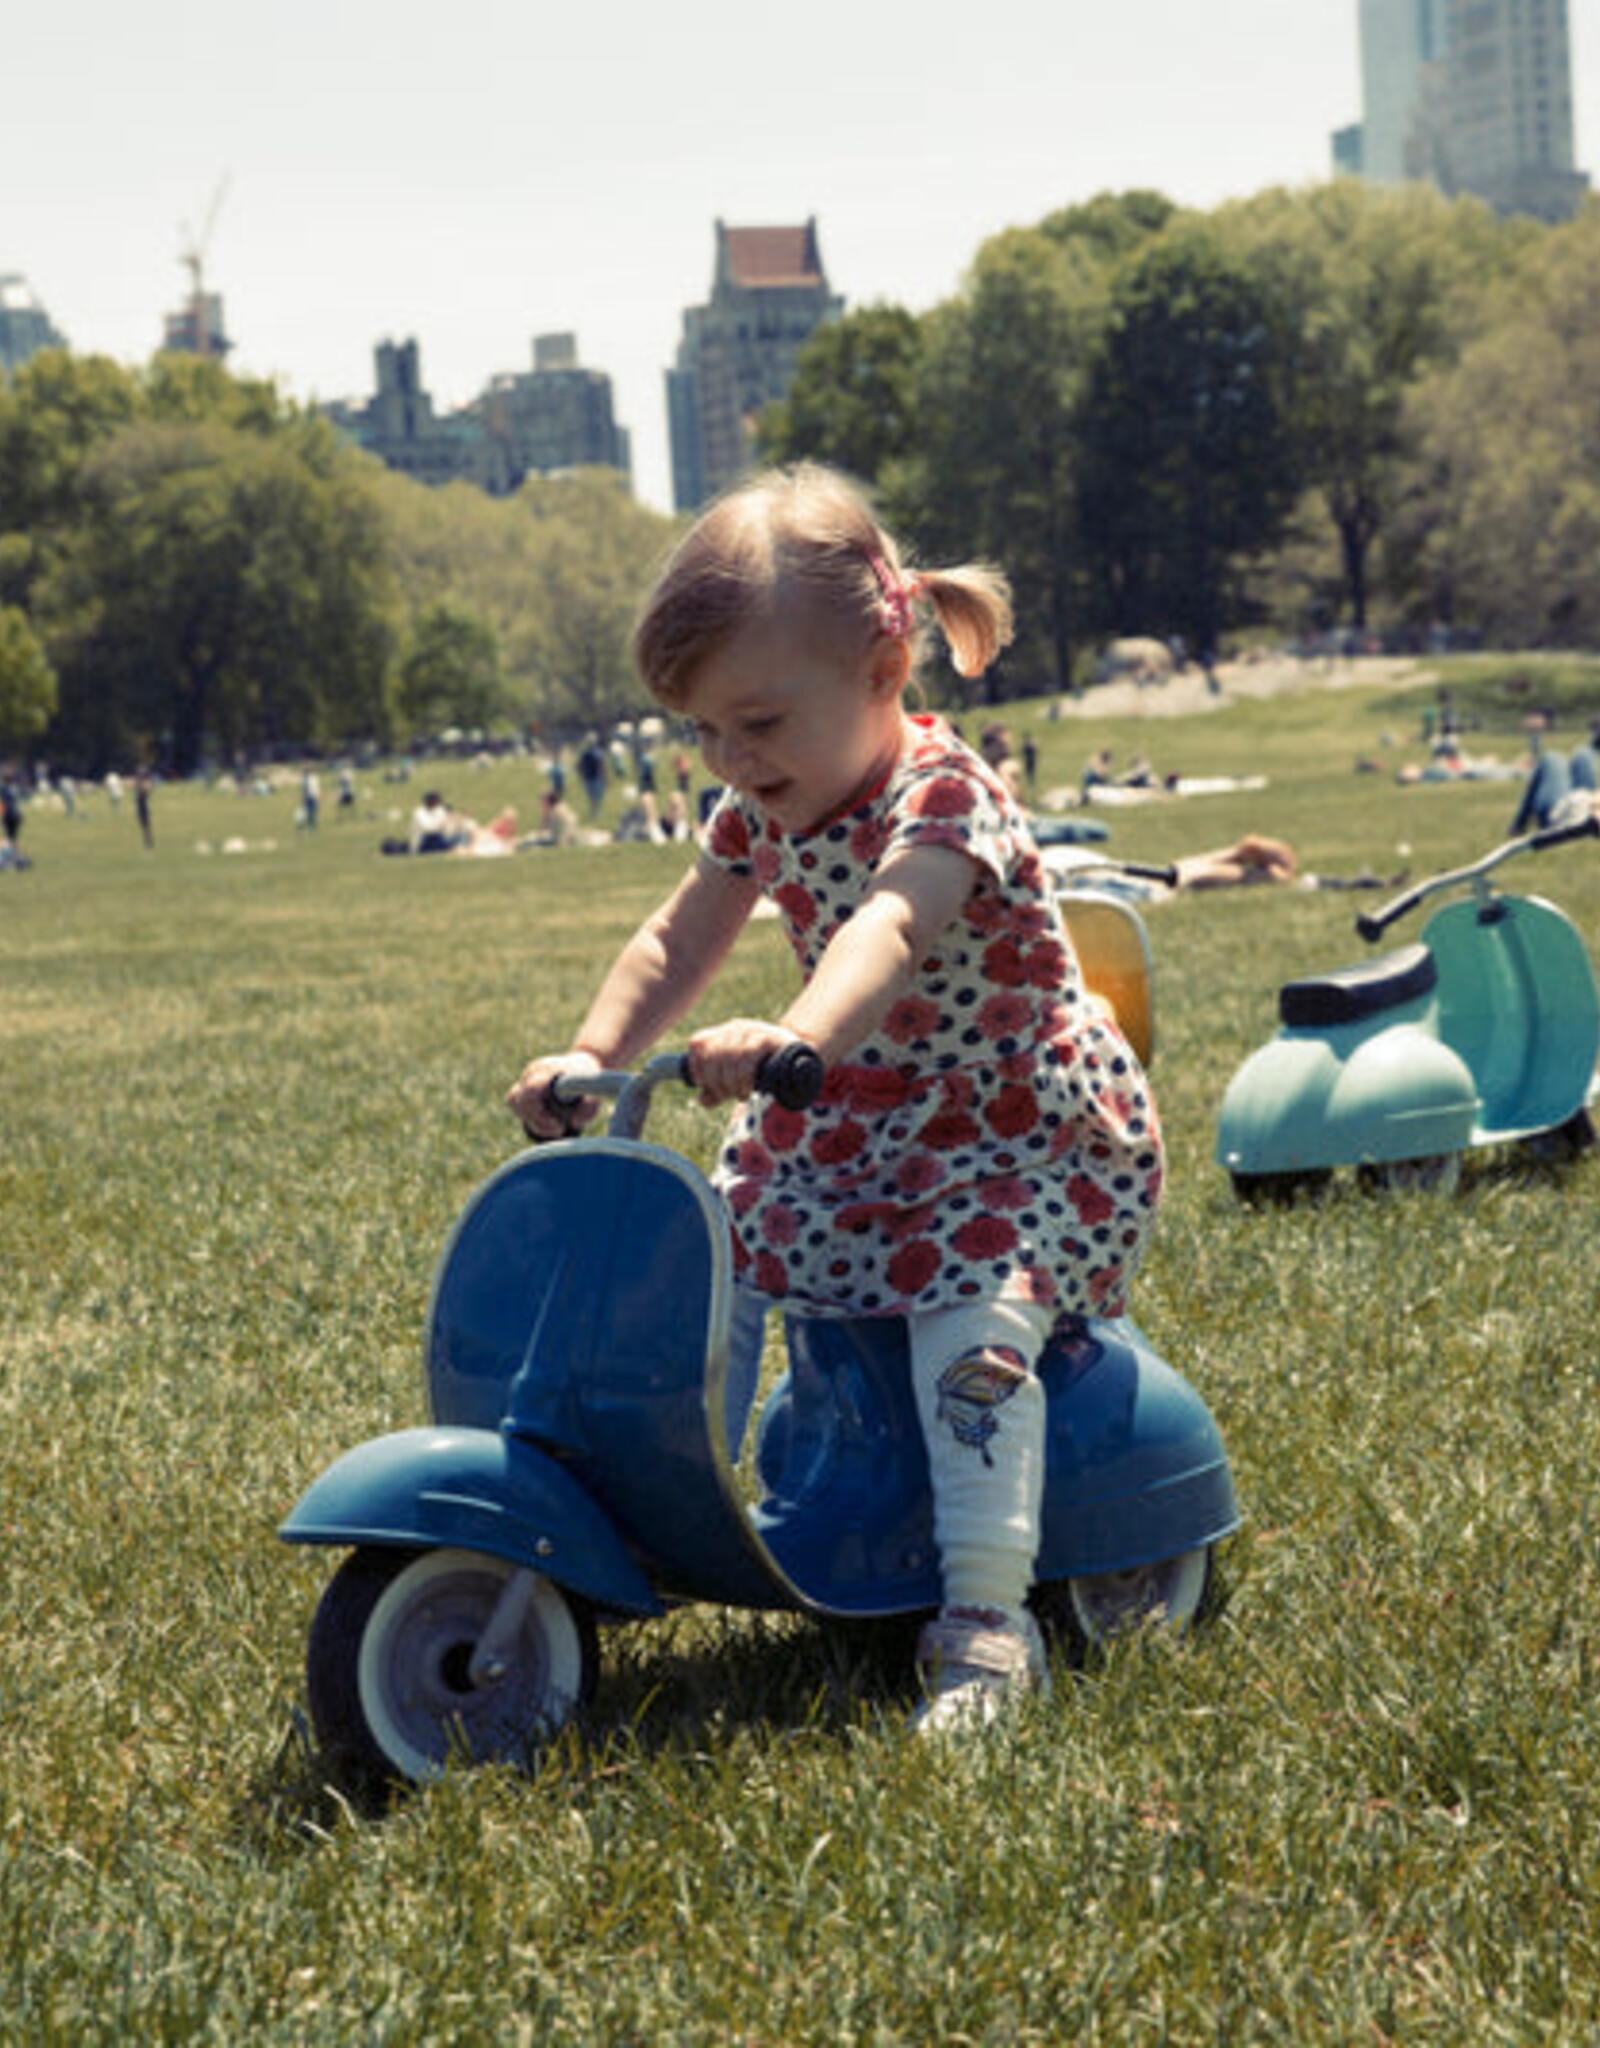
<point>1472,95</point>
<point>769,294</point>
<point>398,424</point>
<point>25,326</point>
<point>197,328</point>
<point>556,416</point>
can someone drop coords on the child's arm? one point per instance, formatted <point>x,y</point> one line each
<point>660,974</point>
<point>866,967</point>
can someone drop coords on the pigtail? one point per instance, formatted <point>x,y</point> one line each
<point>973,607</point>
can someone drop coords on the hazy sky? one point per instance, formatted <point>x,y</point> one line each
<point>476,173</point>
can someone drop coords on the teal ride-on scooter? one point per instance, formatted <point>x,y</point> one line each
<point>1483,1033</point>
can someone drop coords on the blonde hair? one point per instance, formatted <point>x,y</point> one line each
<point>805,537</point>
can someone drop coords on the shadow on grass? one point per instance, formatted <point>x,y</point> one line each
<point>701,1680</point>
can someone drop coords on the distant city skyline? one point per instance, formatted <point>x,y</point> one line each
<point>376,173</point>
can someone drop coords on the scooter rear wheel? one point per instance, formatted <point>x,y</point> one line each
<point>389,1656</point>
<point>1169,1594</point>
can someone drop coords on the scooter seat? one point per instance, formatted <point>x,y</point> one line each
<point>1350,994</point>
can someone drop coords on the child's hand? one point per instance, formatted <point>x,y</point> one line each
<point>724,1059</point>
<point>528,1097</point>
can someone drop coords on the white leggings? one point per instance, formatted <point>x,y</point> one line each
<point>983,1422</point>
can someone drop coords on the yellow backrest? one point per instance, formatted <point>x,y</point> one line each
<point>1113,950</point>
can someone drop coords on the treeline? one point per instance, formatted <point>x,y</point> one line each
<point>1342,406</point>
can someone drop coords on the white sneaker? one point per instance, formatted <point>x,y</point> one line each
<point>974,1663</point>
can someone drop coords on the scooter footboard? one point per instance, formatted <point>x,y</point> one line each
<point>473,1489</point>
<point>1135,1468</point>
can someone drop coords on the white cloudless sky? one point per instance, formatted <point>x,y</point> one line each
<point>475,173</point>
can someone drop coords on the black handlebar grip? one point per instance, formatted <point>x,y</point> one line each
<point>792,1075</point>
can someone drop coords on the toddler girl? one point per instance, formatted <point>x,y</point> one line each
<point>985,1155</point>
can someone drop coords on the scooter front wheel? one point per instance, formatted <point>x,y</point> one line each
<point>390,1662</point>
<point>1168,1594</point>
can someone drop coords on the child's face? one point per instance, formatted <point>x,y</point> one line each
<point>786,720</point>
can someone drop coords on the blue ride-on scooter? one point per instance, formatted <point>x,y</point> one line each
<point>1483,1033</point>
<point>589,1375</point>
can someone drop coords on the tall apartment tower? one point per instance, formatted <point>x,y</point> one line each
<point>769,294</point>
<point>25,326</point>
<point>1472,95</point>
<point>557,416</point>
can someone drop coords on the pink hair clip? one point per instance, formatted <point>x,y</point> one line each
<point>896,610</point>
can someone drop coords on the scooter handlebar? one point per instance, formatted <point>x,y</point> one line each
<point>792,1075</point>
<point>1372,924</point>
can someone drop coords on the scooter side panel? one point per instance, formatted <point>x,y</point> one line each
<point>1344,1096</point>
<point>472,1489</point>
<point>1135,1466</point>
<point>1518,1002</point>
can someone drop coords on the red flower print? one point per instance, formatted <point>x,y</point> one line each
<point>1047,964</point>
<point>797,905</point>
<point>846,1141</point>
<point>781,1225</point>
<point>782,1129</point>
<point>912,1017</point>
<point>870,1091</point>
<point>765,864</point>
<point>1003,964</point>
<point>1090,1200</point>
<point>1008,1191</point>
<point>1004,1016</point>
<point>987,912</point>
<point>913,1266</point>
<point>916,1174</point>
<point>768,1275</point>
<point>730,837</point>
<point>1013,1111</point>
<point>752,1160</point>
<point>948,797</point>
<point>867,841</point>
<point>984,1237</point>
<point>948,1131</point>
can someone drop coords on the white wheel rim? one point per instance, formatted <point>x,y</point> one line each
<point>1167,1593</point>
<point>412,1671</point>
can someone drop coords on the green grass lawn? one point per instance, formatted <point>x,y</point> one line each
<point>242,1096</point>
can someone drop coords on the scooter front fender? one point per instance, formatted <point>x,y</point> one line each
<point>1346,1097</point>
<point>473,1489</point>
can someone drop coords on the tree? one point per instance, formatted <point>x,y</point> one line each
<point>450,673</point>
<point>1188,459</point>
<point>222,590</point>
<point>852,399</point>
<point>27,681</point>
<point>595,551</point>
<point>1369,287</point>
<point>1500,531</point>
<point>993,474</point>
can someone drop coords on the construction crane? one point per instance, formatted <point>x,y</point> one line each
<point>194,260</point>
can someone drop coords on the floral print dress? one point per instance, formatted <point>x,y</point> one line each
<point>995,1137</point>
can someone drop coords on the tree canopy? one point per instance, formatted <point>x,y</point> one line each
<point>1342,405</point>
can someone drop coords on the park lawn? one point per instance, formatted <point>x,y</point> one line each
<point>243,1095</point>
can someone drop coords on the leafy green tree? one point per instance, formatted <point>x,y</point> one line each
<point>219,592</point>
<point>596,550</point>
<point>994,470</point>
<point>1188,462</point>
<point>1500,529</point>
<point>1370,286</point>
<point>27,681</point>
<point>450,673</point>
<point>851,403</point>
